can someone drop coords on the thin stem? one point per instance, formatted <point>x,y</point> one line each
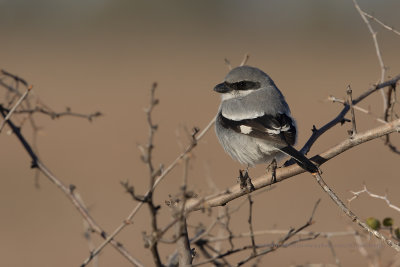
<point>6,118</point>
<point>163,174</point>
<point>351,215</point>
<point>250,221</point>
<point>69,192</point>
<point>377,49</point>
<point>353,116</point>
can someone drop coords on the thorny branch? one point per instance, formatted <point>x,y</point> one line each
<point>284,173</point>
<point>381,23</point>
<point>279,232</point>
<point>40,107</point>
<point>271,247</point>
<point>351,215</point>
<point>67,190</point>
<point>341,116</point>
<point>147,158</point>
<point>183,245</point>
<point>56,115</point>
<point>377,49</point>
<point>353,116</point>
<point>390,115</point>
<point>159,174</point>
<point>366,111</point>
<point>385,198</point>
<point>11,111</point>
<point>250,221</point>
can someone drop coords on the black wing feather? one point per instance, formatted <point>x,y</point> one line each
<point>264,127</point>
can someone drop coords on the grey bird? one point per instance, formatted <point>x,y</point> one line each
<point>254,124</point>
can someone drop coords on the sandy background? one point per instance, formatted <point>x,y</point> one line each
<point>104,56</point>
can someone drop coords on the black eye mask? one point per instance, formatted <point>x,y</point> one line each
<point>243,85</point>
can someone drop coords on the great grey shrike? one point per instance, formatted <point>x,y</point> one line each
<point>254,124</point>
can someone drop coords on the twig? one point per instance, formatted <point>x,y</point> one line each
<point>250,221</point>
<point>391,101</point>
<point>183,245</point>
<point>381,23</point>
<point>363,110</point>
<point>271,247</point>
<point>351,215</point>
<point>88,232</point>
<point>148,160</point>
<point>163,174</point>
<point>330,245</point>
<point>274,246</point>
<point>56,115</point>
<point>388,112</point>
<point>3,123</point>
<point>68,191</point>
<point>245,59</point>
<point>385,198</point>
<point>228,63</point>
<point>353,117</point>
<point>378,51</point>
<point>225,224</point>
<point>362,250</point>
<point>15,77</point>
<point>389,115</point>
<point>340,117</point>
<point>280,232</point>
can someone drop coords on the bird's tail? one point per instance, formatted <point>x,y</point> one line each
<point>300,159</point>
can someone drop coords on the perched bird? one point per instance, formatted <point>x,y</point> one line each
<point>254,124</point>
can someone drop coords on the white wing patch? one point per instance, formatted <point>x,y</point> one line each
<point>278,130</point>
<point>245,129</point>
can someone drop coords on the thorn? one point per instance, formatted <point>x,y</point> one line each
<point>72,188</point>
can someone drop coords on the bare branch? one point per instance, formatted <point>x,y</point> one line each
<point>15,107</point>
<point>68,191</point>
<point>381,23</point>
<point>351,215</point>
<point>284,173</point>
<point>363,110</point>
<point>390,115</point>
<point>271,247</point>
<point>281,232</point>
<point>15,77</point>
<point>385,198</point>
<point>337,260</point>
<point>245,59</point>
<point>377,49</point>
<point>362,250</point>
<point>353,117</point>
<point>162,174</point>
<point>228,63</point>
<point>340,117</point>
<point>148,160</point>
<point>183,244</point>
<point>250,221</point>
<point>56,115</point>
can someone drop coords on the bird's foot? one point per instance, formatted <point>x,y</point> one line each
<point>272,168</point>
<point>245,181</point>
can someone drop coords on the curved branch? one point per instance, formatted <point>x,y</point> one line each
<point>234,192</point>
<point>339,118</point>
<point>68,191</point>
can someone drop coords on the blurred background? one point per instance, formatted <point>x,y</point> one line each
<point>104,55</point>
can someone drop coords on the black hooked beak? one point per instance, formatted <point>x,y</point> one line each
<point>222,88</point>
